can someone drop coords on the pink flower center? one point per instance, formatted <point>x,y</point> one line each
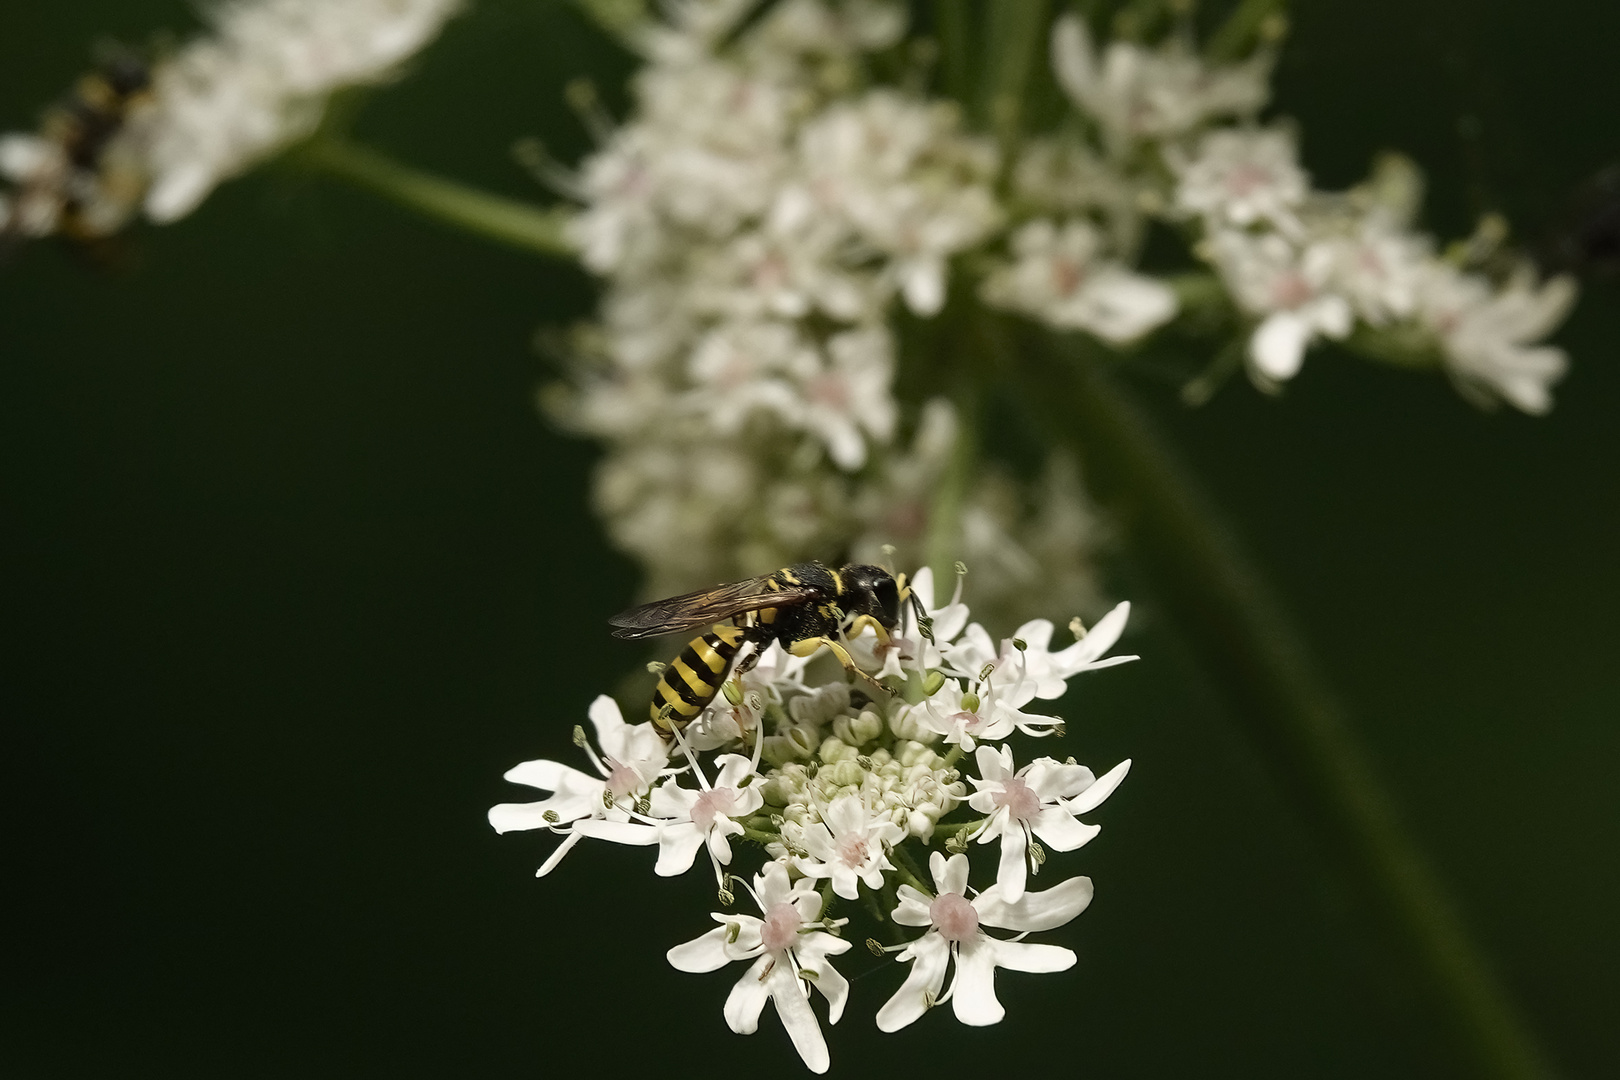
<point>954,917</point>
<point>1290,291</point>
<point>968,720</point>
<point>1066,276</point>
<point>852,850</point>
<point>1247,179</point>
<point>770,273</point>
<point>1022,803</point>
<point>721,802</point>
<point>621,779</point>
<point>829,390</point>
<point>780,927</point>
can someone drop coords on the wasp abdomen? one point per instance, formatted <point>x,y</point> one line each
<point>690,683</point>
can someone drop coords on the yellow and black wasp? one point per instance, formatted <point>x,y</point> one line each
<point>79,194</point>
<point>804,607</point>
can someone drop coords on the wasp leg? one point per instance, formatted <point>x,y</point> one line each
<point>810,645</point>
<point>862,622</point>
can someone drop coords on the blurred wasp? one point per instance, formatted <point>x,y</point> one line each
<point>66,182</point>
<point>802,607</point>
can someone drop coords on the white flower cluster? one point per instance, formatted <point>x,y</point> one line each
<point>1308,264</point>
<point>1300,264</point>
<point>842,788</point>
<point>758,219</point>
<point>258,81</point>
<point>768,209</point>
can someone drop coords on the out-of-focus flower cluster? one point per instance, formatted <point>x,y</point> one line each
<point>846,793</point>
<point>771,207</point>
<point>759,219</point>
<point>1298,264</point>
<point>159,138</point>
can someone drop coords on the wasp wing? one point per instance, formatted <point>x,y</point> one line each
<point>707,606</point>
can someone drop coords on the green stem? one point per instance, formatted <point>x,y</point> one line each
<point>942,541</point>
<point>954,25</point>
<point>1256,656</point>
<point>1016,37</point>
<point>909,871</point>
<point>509,221</point>
<point>956,828</point>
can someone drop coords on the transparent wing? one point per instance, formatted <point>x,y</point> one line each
<point>707,606</point>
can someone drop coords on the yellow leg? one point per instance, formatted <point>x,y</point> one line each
<point>861,623</point>
<point>810,645</point>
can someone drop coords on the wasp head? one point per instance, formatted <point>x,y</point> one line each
<point>871,590</point>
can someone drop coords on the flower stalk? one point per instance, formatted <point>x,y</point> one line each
<point>510,222</point>
<point>1273,685</point>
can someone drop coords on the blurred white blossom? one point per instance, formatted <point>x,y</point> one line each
<point>256,81</point>
<point>1135,93</point>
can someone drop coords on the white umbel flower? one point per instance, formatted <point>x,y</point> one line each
<point>1137,93</point>
<point>631,760</point>
<point>1243,177</point>
<point>955,931</point>
<point>1291,292</point>
<point>1059,275</point>
<point>1486,336</point>
<point>788,957</point>
<point>848,846</point>
<point>689,819</point>
<point>260,81</point>
<point>1033,803</point>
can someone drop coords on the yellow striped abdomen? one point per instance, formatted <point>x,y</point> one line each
<point>689,683</point>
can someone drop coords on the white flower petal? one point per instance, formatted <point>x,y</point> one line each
<point>912,910</point>
<point>1013,871</point>
<point>631,833</point>
<point>793,1007</point>
<point>711,952</point>
<point>1035,911</point>
<point>929,956</point>
<point>1092,797</point>
<point>1072,58</point>
<point>1059,831</point>
<point>1026,956</point>
<point>678,845</point>
<point>950,875</point>
<point>748,997</point>
<point>1278,345</point>
<point>557,856</point>
<point>973,994</point>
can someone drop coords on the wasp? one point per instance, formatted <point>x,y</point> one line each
<point>73,187</point>
<point>803,607</point>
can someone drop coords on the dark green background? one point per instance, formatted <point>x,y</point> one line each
<point>293,572</point>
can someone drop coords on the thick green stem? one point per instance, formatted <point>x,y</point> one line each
<point>957,827</point>
<point>1253,652</point>
<point>954,26</point>
<point>509,221</point>
<point>942,541</point>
